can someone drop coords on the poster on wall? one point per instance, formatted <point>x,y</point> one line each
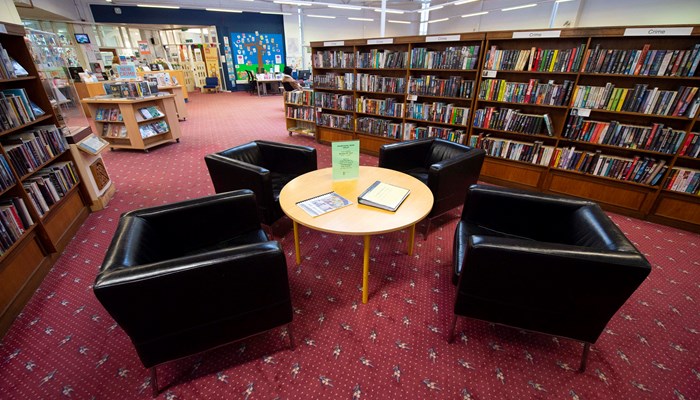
<point>229,60</point>
<point>211,60</point>
<point>143,47</point>
<point>254,51</point>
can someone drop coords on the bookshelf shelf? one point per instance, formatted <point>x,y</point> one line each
<point>518,134</point>
<point>554,73</point>
<point>639,115</point>
<point>523,104</point>
<point>18,79</point>
<point>21,127</point>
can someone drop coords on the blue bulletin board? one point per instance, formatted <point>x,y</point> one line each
<point>250,49</point>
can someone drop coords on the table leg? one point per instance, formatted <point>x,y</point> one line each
<point>257,86</point>
<point>411,239</point>
<point>365,272</point>
<point>296,242</point>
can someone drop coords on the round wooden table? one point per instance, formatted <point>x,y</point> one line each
<point>356,219</point>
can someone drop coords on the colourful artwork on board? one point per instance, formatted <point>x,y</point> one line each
<point>255,50</point>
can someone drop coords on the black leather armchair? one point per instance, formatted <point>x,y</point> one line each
<point>263,167</point>
<point>187,277</point>
<point>543,263</point>
<point>446,167</point>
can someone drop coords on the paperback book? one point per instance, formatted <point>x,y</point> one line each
<point>324,203</point>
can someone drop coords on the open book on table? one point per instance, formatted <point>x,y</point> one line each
<point>324,203</point>
<point>383,195</point>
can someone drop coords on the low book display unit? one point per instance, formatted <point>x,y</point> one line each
<point>383,195</point>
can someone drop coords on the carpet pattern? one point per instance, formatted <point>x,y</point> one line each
<point>65,345</point>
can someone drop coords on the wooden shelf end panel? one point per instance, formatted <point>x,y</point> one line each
<point>677,210</point>
<point>63,221</point>
<point>512,174</point>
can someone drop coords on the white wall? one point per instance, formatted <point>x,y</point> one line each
<point>8,12</point>
<point>639,12</point>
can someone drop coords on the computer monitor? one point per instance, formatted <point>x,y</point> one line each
<point>82,38</point>
<point>303,74</point>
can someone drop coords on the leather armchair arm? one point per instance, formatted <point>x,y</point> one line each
<point>147,301</point>
<point>403,156</point>
<point>248,176</point>
<point>290,159</point>
<point>446,176</point>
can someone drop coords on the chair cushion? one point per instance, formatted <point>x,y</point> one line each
<point>419,173</point>
<point>278,181</point>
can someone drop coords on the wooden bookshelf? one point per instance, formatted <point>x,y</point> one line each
<point>131,136</point>
<point>299,112</point>
<point>555,74</point>
<point>25,263</point>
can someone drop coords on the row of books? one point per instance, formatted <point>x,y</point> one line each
<point>683,180</point>
<point>346,122</point>
<point>132,89</point>
<point>7,179</point>
<point>14,221</point>
<point>379,127</point>
<point>305,113</point>
<point>691,145</point>
<point>431,85</point>
<point>299,97</point>
<point>614,133</point>
<point>50,184</point>
<point>114,131</point>
<point>533,92</point>
<point>644,170</point>
<point>332,80</point>
<point>438,112</point>
<point>150,112</point>
<point>644,62</point>
<point>535,59</point>
<point>153,129</point>
<point>334,100</point>
<point>382,59</point>
<point>334,59</point>
<point>108,114</point>
<point>9,67</point>
<point>30,149</point>
<point>640,99</point>
<point>388,107</point>
<point>507,119</point>
<point>412,131</point>
<point>531,152</point>
<point>382,84</point>
<point>16,109</point>
<point>453,57</point>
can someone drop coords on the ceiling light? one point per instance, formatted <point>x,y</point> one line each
<point>361,19</point>
<point>395,21</point>
<point>320,16</point>
<point>108,1</point>
<point>388,11</point>
<point>294,3</point>
<point>438,20</point>
<point>464,2</point>
<point>223,10</point>
<point>474,14</point>
<point>562,1</point>
<point>432,8</point>
<point>344,7</point>
<point>275,13</point>
<point>157,6</point>
<point>518,7</point>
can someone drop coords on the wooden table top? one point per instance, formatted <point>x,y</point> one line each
<point>356,219</point>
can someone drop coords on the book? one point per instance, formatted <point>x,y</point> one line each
<point>92,144</point>
<point>323,203</point>
<point>383,195</point>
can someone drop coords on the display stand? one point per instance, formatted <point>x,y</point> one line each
<point>91,166</point>
<point>178,92</point>
<point>299,112</point>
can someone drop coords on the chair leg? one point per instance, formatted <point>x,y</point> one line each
<point>154,381</point>
<point>584,357</point>
<point>292,345</point>
<point>451,338</point>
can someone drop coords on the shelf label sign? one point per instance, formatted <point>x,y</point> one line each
<point>380,41</point>
<point>412,97</point>
<point>676,31</point>
<point>488,73</point>
<point>536,34</point>
<point>581,112</point>
<point>336,43</point>
<point>444,38</point>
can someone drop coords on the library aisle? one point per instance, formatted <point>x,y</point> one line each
<point>65,344</point>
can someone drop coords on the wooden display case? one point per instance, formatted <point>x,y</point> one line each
<point>130,123</point>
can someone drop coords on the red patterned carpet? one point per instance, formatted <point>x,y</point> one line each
<point>64,344</point>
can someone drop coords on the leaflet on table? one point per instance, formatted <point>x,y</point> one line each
<point>383,195</point>
<point>324,203</point>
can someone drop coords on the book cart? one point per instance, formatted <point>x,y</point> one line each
<point>135,123</point>
<point>606,114</point>
<point>299,112</point>
<point>41,196</point>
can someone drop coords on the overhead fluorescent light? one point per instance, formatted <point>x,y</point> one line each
<point>389,11</point>
<point>475,14</point>
<point>294,3</point>
<point>562,1</point>
<point>438,20</point>
<point>275,13</point>
<point>464,2</point>
<point>395,21</point>
<point>518,7</point>
<point>431,8</point>
<point>361,19</point>
<point>223,10</point>
<point>320,16</point>
<point>344,7</point>
<point>157,6</point>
